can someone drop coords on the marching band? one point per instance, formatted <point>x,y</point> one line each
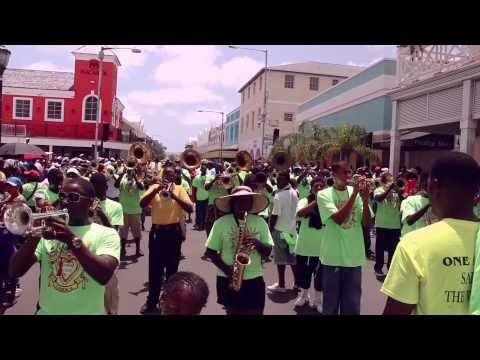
<point>74,216</point>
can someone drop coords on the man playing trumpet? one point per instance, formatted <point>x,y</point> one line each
<point>168,202</point>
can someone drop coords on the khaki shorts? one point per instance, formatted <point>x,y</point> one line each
<point>131,222</point>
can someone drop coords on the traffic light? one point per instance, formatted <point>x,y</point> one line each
<point>276,135</point>
<point>369,141</point>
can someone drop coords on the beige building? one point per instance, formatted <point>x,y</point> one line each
<point>288,87</point>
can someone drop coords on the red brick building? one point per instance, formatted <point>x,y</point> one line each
<point>58,110</point>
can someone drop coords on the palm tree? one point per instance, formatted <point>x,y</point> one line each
<point>326,143</point>
<point>343,140</point>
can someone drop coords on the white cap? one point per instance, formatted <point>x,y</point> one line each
<point>73,170</point>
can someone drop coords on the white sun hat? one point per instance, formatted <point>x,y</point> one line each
<point>260,202</point>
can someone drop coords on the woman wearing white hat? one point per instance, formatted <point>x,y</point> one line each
<point>221,245</point>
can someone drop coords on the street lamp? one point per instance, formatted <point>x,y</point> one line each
<point>221,134</point>
<point>4,57</point>
<point>101,56</point>
<point>264,115</point>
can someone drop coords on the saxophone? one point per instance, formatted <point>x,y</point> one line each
<point>241,257</point>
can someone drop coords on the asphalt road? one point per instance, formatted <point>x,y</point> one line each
<point>133,277</point>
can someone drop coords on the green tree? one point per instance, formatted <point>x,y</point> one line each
<point>158,150</point>
<point>172,157</point>
<point>326,143</point>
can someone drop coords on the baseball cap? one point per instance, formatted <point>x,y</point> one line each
<point>32,174</point>
<point>14,181</point>
<point>73,170</point>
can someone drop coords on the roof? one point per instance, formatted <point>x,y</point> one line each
<point>314,68</point>
<point>38,79</point>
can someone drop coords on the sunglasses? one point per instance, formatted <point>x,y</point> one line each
<point>71,197</point>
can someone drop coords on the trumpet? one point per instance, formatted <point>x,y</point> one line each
<point>166,194</point>
<point>19,219</point>
<point>227,181</point>
<point>364,182</point>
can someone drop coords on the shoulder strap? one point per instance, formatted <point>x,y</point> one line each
<point>33,192</point>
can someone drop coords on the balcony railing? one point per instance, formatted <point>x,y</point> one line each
<point>60,130</point>
<point>419,62</point>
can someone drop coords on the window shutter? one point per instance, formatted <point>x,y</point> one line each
<point>476,100</point>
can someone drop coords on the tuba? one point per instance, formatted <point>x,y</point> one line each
<point>244,160</point>
<point>281,161</point>
<point>141,152</point>
<point>191,159</point>
<point>241,257</point>
<point>19,219</point>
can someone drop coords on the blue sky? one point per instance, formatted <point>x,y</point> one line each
<point>165,85</point>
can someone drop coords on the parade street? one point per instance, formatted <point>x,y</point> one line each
<point>133,276</point>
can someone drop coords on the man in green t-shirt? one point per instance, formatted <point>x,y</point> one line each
<point>240,224</point>
<point>201,199</point>
<point>433,270</point>
<point>30,187</point>
<point>76,260</point>
<point>108,213</point>
<point>131,190</point>
<point>342,251</point>
<point>215,189</point>
<point>49,197</point>
<point>416,212</point>
<point>387,221</point>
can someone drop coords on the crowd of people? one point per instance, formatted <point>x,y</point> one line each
<point>316,221</point>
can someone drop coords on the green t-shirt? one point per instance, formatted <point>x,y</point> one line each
<point>216,191</point>
<point>113,210</point>
<point>223,238</point>
<point>243,174</point>
<point>65,287</point>
<point>309,239</point>
<point>187,187</point>
<point>28,190</point>
<point>130,197</point>
<point>199,184</point>
<point>46,194</point>
<point>266,212</point>
<point>388,211</point>
<point>476,210</point>
<point>304,190</point>
<point>432,268</point>
<point>342,245</point>
<point>410,206</point>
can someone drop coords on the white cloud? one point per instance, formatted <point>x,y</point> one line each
<point>169,96</point>
<point>47,66</point>
<point>189,65</point>
<point>353,63</point>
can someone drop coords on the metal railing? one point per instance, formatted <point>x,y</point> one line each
<point>419,62</point>
<point>61,130</point>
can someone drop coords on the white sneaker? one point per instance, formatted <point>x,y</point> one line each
<point>317,303</point>
<point>302,298</point>
<point>276,288</point>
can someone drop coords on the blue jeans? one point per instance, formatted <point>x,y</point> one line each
<point>342,290</point>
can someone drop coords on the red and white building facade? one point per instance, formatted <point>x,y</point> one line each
<point>58,110</point>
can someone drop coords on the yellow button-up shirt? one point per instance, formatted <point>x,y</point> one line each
<point>165,212</point>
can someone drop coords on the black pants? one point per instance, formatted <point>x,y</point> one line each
<point>306,267</point>
<point>366,239</point>
<point>387,240</point>
<point>200,213</point>
<point>164,256</point>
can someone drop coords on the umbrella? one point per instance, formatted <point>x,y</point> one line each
<point>23,150</point>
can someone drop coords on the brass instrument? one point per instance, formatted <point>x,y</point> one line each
<point>142,153</point>
<point>241,257</point>
<point>281,161</point>
<point>227,181</point>
<point>364,182</point>
<point>166,194</point>
<point>19,219</point>
<point>244,160</point>
<point>191,159</point>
